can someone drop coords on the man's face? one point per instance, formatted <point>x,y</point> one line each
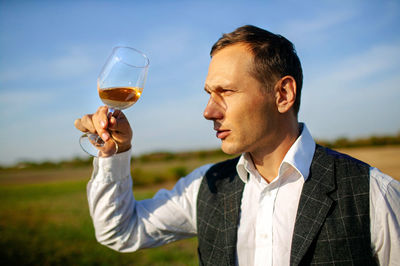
<point>244,114</point>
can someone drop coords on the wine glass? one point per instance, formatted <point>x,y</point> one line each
<point>120,84</point>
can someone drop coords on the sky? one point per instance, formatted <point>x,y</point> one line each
<point>52,51</point>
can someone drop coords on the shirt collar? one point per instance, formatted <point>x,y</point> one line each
<point>299,156</point>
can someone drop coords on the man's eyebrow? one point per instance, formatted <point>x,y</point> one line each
<point>219,87</point>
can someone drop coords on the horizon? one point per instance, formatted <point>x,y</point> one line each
<point>353,143</point>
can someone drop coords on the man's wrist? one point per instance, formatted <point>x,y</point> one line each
<point>125,148</point>
<point>120,149</point>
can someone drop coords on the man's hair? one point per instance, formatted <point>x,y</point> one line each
<point>274,56</point>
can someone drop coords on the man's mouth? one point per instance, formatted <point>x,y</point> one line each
<point>222,134</point>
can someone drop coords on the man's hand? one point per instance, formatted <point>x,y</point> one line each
<point>107,126</point>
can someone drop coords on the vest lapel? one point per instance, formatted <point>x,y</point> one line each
<point>314,204</point>
<point>232,201</point>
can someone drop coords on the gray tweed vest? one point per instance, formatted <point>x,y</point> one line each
<point>332,225</point>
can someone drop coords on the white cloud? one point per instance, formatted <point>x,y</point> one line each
<point>20,101</point>
<point>356,96</point>
<point>371,109</point>
<point>359,67</point>
<point>72,64</point>
<point>316,27</point>
<point>321,23</point>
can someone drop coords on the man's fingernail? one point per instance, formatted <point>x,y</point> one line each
<point>102,123</point>
<point>104,136</point>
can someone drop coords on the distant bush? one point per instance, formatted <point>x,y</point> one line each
<point>181,156</point>
<point>157,156</point>
<point>164,156</point>
<point>344,142</point>
<point>31,165</point>
<point>178,172</point>
<point>144,177</point>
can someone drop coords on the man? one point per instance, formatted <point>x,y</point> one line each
<point>284,201</point>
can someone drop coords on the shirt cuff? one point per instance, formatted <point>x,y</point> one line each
<point>113,168</point>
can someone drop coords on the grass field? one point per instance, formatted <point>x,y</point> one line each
<point>49,224</point>
<point>44,218</point>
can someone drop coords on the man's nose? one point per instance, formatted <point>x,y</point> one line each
<point>214,109</point>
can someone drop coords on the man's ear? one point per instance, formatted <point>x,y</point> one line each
<point>285,94</point>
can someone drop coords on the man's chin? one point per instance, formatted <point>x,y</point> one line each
<point>230,149</point>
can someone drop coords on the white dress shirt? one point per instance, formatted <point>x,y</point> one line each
<point>267,217</point>
<point>268,211</point>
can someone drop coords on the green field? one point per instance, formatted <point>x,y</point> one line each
<point>44,217</point>
<point>49,224</point>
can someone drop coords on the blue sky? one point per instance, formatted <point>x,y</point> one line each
<point>52,51</point>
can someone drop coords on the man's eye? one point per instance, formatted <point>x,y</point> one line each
<point>227,92</point>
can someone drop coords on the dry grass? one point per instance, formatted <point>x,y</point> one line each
<point>386,159</point>
<point>40,176</point>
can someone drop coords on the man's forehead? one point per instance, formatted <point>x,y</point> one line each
<point>228,64</point>
<point>233,52</point>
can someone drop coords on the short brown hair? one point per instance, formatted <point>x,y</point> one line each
<point>274,56</point>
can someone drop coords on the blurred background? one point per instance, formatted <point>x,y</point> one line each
<point>52,51</point>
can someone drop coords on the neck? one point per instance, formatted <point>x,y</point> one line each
<point>268,160</point>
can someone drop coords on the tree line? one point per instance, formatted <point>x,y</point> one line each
<point>76,162</point>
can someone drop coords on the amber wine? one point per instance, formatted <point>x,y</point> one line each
<point>120,97</point>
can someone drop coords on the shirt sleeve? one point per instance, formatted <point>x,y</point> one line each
<point>385,217</point>
<point>126,225</point>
